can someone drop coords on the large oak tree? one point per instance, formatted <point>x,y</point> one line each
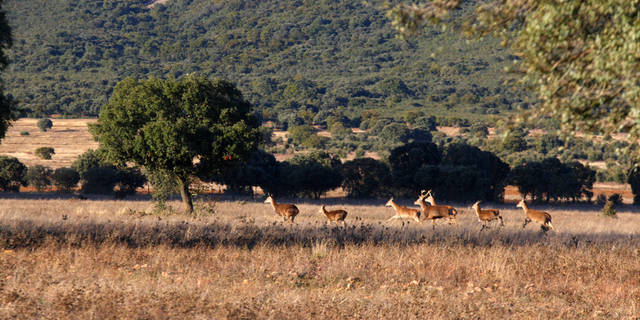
<point>180,128</point>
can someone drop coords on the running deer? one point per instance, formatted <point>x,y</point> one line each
<point>434,212</point>
<point>285,210</point>
<point>334,215</point>
<point>403,212</point>
<point>541,217</point>
<point>485,216</point>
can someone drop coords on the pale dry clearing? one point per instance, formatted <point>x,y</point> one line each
<point>109,259</point>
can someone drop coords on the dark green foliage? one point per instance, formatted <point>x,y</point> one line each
<point>548,142</point>
<point>65,179</point>
<point>305,175</point>
<point>394,133</point>
<point>455,172</point>
<point>129,179</point>
<point>284,55</point>
<point>426,123</point>
<point>553,180</point>
<point>9,109</point>
<point>365,177</point>
<point>163,125</point>
<point>314,173</point>
<point>306,136</point>
<point>261,169</point>
<point>24,133</point>
<point>99,180</point>
<point>39,177</point>
<point>633,179</point>
<point>45,124</point>
<point>88,160</point>
<point>12,174</point>
<point>44,153</point>
<point>408,159</point>
<point>483,173</point>
<point>514,141</point>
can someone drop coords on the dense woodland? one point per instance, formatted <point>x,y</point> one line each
<point>292,58</point>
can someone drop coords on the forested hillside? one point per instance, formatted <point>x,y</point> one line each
<point>298,61</point>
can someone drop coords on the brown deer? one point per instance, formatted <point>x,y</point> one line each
<point>541,217</point>
<point>285,210</point>
<point>434,212</point>
<point>403,212</point>
<point>334,215</point>
<point>485,216</point>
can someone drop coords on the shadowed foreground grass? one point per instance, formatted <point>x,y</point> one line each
<point>107,259</point>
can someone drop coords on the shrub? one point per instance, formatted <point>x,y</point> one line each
<point>99,180</point>
<point>129,179</point>
<point>609,209</point>
<point>615,198</point>
<point>44,153</point>
<point>89,159</point>
<point>12,173</point>
<point>45,124</point>
<point>24,133</point>
<point>39,177</point>
<point>65,179</point>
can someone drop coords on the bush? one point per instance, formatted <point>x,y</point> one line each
<point>12,173</point>
<point>129,179</point>
<point>39,177</point>
<point>100,180</point>
<point>45,124</point>
<point>45,153</point>
<point>89,159</point>
<point>609,209</point>
<point>65,179</point>
<point>24,133</point>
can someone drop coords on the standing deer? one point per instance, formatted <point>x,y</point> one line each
<point>541,217</point>
<point>285,210</point>
<point>334,215</point>
<point>487,215</point>
<point>403,212</point>
<point>434,212</point>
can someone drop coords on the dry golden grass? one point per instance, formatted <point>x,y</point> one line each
<point>108,259</point>
<point>68,137</point>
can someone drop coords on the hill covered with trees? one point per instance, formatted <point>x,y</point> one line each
<point>299,61</point>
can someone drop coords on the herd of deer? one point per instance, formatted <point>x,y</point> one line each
<point>429,210</point>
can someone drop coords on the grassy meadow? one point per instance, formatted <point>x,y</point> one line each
<point>95,259</point>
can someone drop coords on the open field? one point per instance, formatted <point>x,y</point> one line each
<point>63,258</point>
<point>68,137</point>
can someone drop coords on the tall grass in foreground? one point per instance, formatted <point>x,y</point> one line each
<point>107,259</point>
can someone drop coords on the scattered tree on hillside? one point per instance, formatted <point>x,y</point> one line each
<point>8,108</point>
<point>185,127</point>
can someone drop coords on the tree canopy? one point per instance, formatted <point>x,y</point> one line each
<point>8,107</point>
<point>580,57</point>
<point>185,127</point>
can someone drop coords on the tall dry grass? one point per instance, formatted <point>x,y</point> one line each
<point>110,259</point>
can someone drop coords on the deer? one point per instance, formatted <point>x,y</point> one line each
<point>541,217</point>
<point>485,216</point>
<point>434,212</point>
<point>285,210</point>
<point>403,212</point>
<point>334,215</point>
